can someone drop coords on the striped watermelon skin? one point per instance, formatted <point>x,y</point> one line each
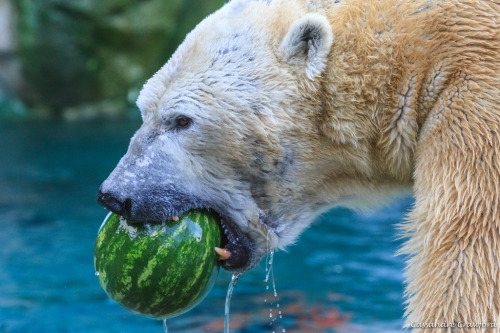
<point>158,270</point>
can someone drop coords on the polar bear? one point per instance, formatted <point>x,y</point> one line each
<point>271,112</point>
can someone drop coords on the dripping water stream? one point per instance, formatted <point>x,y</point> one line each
<point>270,274</point>
<point>165,328</point>
<point>230,289</point>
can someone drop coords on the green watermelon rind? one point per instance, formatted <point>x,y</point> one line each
<point>165,269</point>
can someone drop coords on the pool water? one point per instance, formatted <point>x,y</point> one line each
<point>341,276</point>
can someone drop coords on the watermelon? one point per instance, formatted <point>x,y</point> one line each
<point>161,269</point>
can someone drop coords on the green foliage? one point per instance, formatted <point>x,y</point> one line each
<point>79,54</point>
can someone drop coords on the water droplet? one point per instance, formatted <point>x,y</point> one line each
<point>96,273</point>
<point>283,330</point>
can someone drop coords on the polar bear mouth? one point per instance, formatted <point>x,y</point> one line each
<point>236,250</point>
<point>236,247</point>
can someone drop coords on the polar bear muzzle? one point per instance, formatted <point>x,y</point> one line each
<point>237,251</point>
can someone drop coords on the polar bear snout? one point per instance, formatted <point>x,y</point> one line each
<point>149,205</point>
<point>146,204</point>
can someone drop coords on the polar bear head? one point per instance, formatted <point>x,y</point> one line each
<point>233,123</point>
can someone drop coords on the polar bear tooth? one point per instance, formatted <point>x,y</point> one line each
<point>223,253</point>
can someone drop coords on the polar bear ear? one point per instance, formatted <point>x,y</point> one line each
<point>307,43</point>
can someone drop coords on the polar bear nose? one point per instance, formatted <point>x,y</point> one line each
<point>114,204</point>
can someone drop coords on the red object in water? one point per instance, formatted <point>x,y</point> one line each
<point>328,318</point>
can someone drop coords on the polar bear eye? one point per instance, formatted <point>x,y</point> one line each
<point>182,122</point>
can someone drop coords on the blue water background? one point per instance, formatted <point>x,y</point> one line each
<point>341,276</point>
